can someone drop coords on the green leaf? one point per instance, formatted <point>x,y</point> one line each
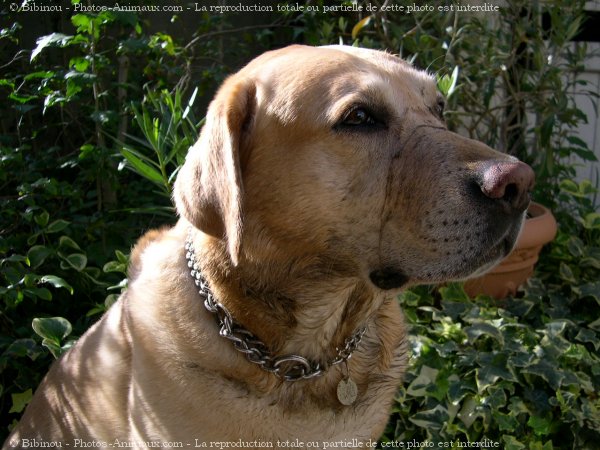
<point>470,411</point>
<point>454,309</point>
<point>540,426</point>
<point>566,273</point>
<point>592,221</point>
<point>23,347</point>
<point>142,168</point>
<point>57,225</point>
<point>44,74</point>
<point>42,218</point>
<point>546,370</point>
<point>20,401</point>
<point>588,336</point>
<point>49,40</point>
<point>57,282</point>
<point>590,290</point>
<point>569,186</point>
<point>54,329</point>
<point>77,261</point>
<point>432,419</point>
<point>122,257</point>
<point>66,241</point>
<point>420,385</point>
<point>38,254</point>
<point>493,367</point>
<point>511,443</point>
<point>483,329</point>
<point>505,422</point>
<point>458,389</point>
<point>42,293</point>
<point>454,292</point>
<point>83,23</point>
<point>447,84</point>
<point>114,266</point>
<point>16,258</point>
<point>54,348</point>
<point>80,64</point>
<point>576,246</point>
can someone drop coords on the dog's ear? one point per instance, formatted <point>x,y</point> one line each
<point>209,191</point>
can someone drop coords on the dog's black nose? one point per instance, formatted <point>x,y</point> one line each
<point>509,182</point>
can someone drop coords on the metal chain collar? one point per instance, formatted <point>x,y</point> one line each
<point>288,367</point>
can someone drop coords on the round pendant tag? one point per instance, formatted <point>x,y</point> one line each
<point>347,391</point>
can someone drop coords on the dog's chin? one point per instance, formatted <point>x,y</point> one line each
<point>390,278</point>
<point>491,258</point>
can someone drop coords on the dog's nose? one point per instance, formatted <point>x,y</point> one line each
<point>509,182</point>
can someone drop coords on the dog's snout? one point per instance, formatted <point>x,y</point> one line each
<point>509,182</point>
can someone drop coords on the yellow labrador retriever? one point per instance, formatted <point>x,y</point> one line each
<point>323,182</point>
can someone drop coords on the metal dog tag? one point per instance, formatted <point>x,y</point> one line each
<point>347,391</point>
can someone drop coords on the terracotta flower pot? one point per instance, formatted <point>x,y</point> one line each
<point>504,280</point>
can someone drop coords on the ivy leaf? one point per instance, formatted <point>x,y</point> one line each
<point>591,290</point>
<point>458,389</point>
<point>20,401</point>
<point>454,291</point>
<point>588,336</point>
<point>505,422</point>
<point>434,418</point>
<point>511,443</point>
<point>420,385</point>
<point>483,329</point>
<point>549,372</point>
<point>540,426</point>
<point>566,273</point>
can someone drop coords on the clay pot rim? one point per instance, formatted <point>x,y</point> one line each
<point>539,229</point>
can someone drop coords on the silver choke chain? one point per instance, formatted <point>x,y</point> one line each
<point>288,367</point>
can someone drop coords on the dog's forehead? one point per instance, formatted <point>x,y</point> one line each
<point>297,62</point>
<point>299,77</point>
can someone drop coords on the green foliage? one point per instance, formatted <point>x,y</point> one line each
<point>522,372</point>
<point>169,130</point>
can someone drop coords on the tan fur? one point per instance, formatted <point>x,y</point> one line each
<point>291,214</point>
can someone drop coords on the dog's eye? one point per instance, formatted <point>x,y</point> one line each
<point>359,119</point>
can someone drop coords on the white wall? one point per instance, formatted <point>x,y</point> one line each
<point>590,132</point>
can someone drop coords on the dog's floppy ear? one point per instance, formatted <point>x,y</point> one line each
<point>208,191</point>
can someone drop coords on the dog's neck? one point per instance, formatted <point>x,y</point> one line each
<point>307,306</point>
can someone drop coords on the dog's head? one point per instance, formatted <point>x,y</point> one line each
<point>343,152</point>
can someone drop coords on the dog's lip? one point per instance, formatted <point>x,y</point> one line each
<point>388,278</point>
